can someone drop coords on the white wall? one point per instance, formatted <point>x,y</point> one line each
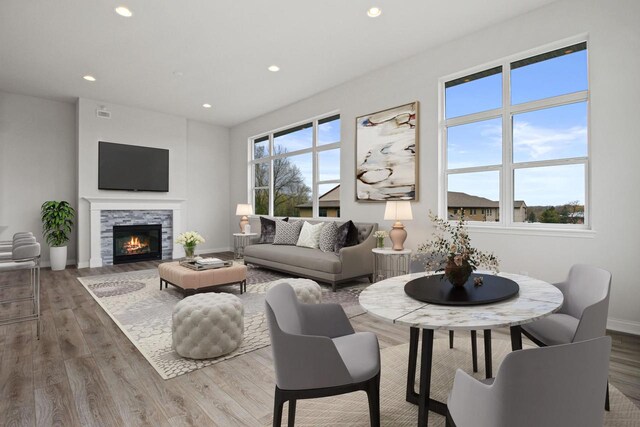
<point>37,163</point>
<point>614,60</point>
<point>208,189</point>
<point>136,126</point>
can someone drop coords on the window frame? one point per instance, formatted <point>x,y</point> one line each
<point>314,150</point>
<point>508,167</point>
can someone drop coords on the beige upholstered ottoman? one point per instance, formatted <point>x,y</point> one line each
<point>191,281</point>
<point>307,291</point>
<point>207,325</point>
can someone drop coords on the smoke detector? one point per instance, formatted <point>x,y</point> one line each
<point>102,113</point>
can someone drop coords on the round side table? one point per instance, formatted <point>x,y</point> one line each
<point>390,263</point>
<point>240,240</point>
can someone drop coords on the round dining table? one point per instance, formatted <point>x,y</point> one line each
<point>388,301</point>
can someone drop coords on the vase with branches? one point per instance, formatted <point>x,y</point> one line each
<point>450,251</point>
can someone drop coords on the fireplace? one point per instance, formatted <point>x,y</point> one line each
<point>133,243</point>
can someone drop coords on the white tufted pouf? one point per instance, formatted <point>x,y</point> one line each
<point>307,291</point>
<point>207,325</point>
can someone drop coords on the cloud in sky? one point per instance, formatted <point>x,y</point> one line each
<point>531,143</point>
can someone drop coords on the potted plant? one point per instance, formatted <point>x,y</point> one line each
<point>189,240</point>
<point>57,220</point>
<point>450,250</point>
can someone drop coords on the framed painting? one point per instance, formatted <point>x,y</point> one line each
<point>387,155</point>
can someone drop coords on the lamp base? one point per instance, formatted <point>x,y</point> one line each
<point>398,235</point>
<point>243,221</point>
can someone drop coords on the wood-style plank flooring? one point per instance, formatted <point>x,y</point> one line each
<point>84,370</point>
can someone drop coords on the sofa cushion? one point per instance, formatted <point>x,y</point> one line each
<point>287,233</point>
<point>328,237</point>
<point>347,236</point>
<point>268,229</point>
<point>312,259</point>
<point>310,235</point>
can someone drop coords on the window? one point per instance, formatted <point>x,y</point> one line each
<point>515,140</point>
<point>296,171</point>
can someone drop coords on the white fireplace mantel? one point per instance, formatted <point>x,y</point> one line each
<point>99,204</point>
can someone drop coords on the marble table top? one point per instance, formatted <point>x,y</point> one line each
<point>387,300</point>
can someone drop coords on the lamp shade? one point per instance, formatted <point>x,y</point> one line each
<point>244,209</point>
<point>398,211</point>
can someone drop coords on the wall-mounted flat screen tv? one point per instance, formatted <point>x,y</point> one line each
<point>132,168</point>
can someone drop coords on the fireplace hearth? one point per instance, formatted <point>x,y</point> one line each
<point>132,243</point>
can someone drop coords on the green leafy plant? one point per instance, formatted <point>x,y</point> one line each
<point>57,220</point>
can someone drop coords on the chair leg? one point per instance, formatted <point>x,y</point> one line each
<point>606,399</point>
<point>474,351</point>
<point>450,339</point>
<point>373,395</point>
<point>292,413</point>
<point>278,402</point>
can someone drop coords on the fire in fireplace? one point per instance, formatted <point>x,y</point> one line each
<point>133,243</point>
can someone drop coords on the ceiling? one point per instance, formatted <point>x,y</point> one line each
<point>221,48</point>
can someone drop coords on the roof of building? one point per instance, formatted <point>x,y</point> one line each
<point>330,199</point>
<point>457,199</point>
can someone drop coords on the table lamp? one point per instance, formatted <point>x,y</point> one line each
<point>397,211</point>
<point>244,210</point>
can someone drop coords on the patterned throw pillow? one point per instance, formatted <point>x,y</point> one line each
<point>328,237</point>
<point>310,235</point>
<point>268,229</point>
<point>287,232</point>
<point>347,236</point>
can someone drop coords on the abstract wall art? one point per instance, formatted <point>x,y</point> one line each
<point>386,154</point>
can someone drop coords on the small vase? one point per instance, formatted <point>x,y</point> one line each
<point>380,242</point>
<point>457,274</point>
<point>189,252</point>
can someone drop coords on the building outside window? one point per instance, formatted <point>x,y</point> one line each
<point>515,140</point>
<point>292,169</point>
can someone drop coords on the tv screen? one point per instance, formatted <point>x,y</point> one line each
<point>133,168</point>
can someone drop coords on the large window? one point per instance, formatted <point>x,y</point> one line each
<point>296,171</point>
<point>515,141</point>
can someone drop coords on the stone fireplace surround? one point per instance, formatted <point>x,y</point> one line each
<point>103,210</point>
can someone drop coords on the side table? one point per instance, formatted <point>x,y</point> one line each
<point>240,240</point>
<point>390,263</point>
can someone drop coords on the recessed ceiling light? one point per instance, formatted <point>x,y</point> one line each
<point>206,105</point>
<point>123,11</point>
<point>273,68</point>
<point>374,12</point>
<point>89,78</point>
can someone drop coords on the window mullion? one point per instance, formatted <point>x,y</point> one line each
<point>506,175</point>
<point>271,178</point>
<point>314,172</point>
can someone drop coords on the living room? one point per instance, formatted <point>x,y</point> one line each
<point>206,87</point>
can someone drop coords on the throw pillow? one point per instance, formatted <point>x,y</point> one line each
<point>287,232</point>
<point>310,235</point>
<point>347,236</point>
<point>328,237</point>
<point>268,229</point>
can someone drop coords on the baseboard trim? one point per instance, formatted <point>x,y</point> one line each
<point>626,326</point>
<point>70,262</point>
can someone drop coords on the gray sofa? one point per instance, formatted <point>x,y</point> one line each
<point>350,263</point>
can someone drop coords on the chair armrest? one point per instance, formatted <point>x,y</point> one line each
<point>25,252</point>
<point>470,401</point>
<point>593,322</point>
<point>327,320</point>
<point>307,362</point>
<point>358,260</point>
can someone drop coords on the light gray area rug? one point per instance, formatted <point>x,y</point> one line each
<point>352,409</point>
<point>143,312</point>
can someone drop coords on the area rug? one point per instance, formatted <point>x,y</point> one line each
<point>352,409</point>
<point>143,312</point>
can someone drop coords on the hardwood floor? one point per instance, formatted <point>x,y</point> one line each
<point>85,371</point>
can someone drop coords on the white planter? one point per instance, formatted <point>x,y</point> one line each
<point>58,257</point>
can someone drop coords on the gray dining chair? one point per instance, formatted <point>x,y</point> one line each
<point>561,385</point>
<point>317,353</point>
<point>24,257</point>
<point>6,252</point>
<point>583,314</point>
